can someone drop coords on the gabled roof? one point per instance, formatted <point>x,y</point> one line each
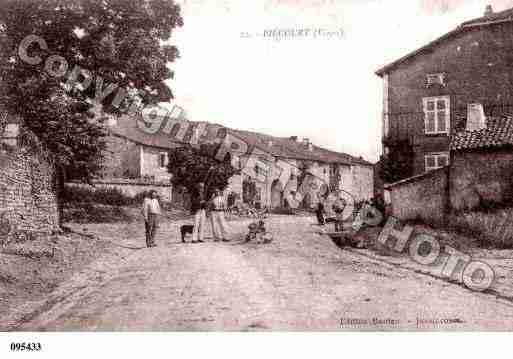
<point>498,133</point>
<point>126,127</point>
<point>493,18</point>
<point>287,148</point>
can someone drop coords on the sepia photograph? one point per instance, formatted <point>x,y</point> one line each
<point>268,166</point>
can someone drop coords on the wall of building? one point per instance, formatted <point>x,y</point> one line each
<point>362,182</point>
<point>27,193</point>
<point>234,185</point>
<point>122,159</point>
<point>479,69</point>
<point>150,164</point>
<point>481,176</point>
<point>421,197</point>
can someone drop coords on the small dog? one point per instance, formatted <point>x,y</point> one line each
<point>186,229</point>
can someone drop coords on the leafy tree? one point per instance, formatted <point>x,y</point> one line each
<point>249,191</point>
<point>120,45</point>
<point>190,166</point>
<point>398,164</point>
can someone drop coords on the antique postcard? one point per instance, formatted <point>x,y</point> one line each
<point>265,166</point>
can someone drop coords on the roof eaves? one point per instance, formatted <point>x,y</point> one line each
<point>464,26</point>
<point>414,178</point>
<point>385,69</point>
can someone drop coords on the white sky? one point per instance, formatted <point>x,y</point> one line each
<point>324,89</point>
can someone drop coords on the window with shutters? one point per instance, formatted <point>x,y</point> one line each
<point>437,113</point>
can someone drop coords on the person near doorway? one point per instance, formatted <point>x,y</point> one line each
<point>217,217</point>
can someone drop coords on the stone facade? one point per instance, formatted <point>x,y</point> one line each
<point>28,202</point>
<point>358,181</point>
<point>154,163</point>
<point>133,168</point>
<point>125,158</point>
<point>481,176</point>
<point>122,159</point>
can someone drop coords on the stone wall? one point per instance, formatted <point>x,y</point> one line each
<point>131,188</point>
<point>28,202</point>
<point>480,177</point>
<point>421,197</point>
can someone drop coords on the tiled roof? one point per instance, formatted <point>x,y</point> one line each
<point>277,146</point>
<point>287,148</point>
<point>126,127</point>
<point>498,133</point>
<point>502,16</point>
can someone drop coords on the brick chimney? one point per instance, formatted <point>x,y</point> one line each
<point>488,10</point>
<point>476,119</point>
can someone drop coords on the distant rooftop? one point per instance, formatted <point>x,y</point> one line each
<point>283,147</point>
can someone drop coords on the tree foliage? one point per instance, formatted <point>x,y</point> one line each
<point>118,42</point>
<point>398,164</point>
<point>249,191</point>
<point>190,166</point>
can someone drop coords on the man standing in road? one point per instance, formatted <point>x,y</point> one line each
<point>151,210</point>
<point>217,217</point>
<point>198,206</point>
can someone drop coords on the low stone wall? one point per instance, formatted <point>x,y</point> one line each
<point>28,203</point>
<point>421,197</point>
<point>131,188</point>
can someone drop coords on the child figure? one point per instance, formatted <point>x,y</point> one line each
<point>339,208</point>
<point>258,232</point>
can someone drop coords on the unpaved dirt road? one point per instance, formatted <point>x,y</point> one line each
<point>301,281</point>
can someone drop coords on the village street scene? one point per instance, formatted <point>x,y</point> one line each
<point>124,209</point>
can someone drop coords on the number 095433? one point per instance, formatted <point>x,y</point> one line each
<point>26,347</point>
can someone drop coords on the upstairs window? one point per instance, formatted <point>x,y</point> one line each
<point>435,79</point>
<point>437,111</point>
<point>436,160</point>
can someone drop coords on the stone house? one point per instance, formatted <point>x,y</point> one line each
<point>133,153</point>
<point>428,93</point>
<point>136,162</point>
<point>28,202</point>
<point>479,174</point>
<point>335,170</point>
